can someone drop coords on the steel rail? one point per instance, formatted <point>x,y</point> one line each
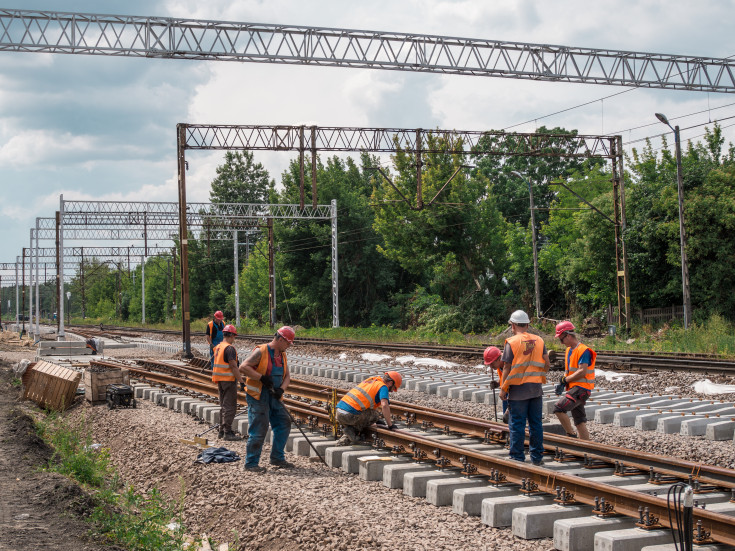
<point>535,480</point>
<point>429,418</point>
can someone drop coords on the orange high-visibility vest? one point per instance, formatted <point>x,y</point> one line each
<point>528,364</point>
<point>254,386</point>
<point>363,396</point>
<point>222,370</point>
<point>572,364</point>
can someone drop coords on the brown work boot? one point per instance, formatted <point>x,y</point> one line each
<point>232,437</point>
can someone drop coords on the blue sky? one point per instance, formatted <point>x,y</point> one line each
<point>104,128</point>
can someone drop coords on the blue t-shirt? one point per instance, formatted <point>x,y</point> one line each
<point>382,395</point>
<point>585,358</point>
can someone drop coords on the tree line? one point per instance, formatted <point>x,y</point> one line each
<point>466,261</point>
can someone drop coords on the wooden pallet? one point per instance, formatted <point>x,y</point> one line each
<point>96,382</point>
<point>51,386</point>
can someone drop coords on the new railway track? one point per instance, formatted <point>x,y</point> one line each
<point>312,404</point>
<point>620,360</point>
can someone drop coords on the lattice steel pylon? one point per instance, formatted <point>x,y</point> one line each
<point>218,218</point>
<point>177,38</point>
<point>414,141</point>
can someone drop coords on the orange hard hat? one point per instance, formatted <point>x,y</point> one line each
<point>287,333</point>
<point>230,329</point>
<point>491,354</point>
<point>564,327</point>
<point>397,379</point>
<point>218,315</point>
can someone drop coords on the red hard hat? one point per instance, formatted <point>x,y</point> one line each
<point>491,354</point>
<point>218,315</point>
<point>287,333</point>
<point>563,327</point>
<point>230,329</point>
<point>397,379</point>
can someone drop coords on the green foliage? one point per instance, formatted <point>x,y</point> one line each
<point>72,452</point>
<point>120,515</point>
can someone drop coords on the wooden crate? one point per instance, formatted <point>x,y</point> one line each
<point>96,382</point>
<point>52,386</point>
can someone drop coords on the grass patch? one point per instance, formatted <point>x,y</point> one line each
<point>16,382</point>
<point>120,515</point>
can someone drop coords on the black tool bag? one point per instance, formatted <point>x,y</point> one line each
<point>120,396</point>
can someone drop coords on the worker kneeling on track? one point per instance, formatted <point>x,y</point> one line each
<point>577,383</point>
<point>227,376</point>
<point>267,379</point>
<point>359,407</point>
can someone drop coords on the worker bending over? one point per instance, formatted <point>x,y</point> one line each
<point>577,382</point>
<point>268,377</point>
<point>526,363</point>
<point>227,376</point>
<point>359,407</point>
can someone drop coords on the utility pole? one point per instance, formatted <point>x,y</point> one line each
<point>682,232</point>
<point>537,289</point>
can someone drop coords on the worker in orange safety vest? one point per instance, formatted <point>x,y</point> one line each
<point>268,378</point>
<point>577,383</point>
<point>526,363</point>
<point>226,374</point>
<point>358,409</point>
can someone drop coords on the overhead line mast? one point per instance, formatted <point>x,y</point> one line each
<point>176,38</point>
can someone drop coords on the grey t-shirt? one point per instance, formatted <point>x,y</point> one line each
<point>525,391</point>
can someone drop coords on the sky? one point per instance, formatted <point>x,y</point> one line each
<point>103,128</point>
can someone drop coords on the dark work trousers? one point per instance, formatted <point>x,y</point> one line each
<point>227,403</point>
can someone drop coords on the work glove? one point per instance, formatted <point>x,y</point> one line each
<point>564,380</point>
<point>267,381</point>
<point>559,389</point>
<point>278,393</point>
<point>381,423</point>
<point>242,387</point>
<point>494,385</point>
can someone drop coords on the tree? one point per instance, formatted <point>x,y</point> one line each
<point>454,247</point>
<point>241,180</point>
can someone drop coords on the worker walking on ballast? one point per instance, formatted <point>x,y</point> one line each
<point>226,374</point>
<point>359,407</point>
<point>577,383</point>
<point>267,378</point>
<point>214,332</point>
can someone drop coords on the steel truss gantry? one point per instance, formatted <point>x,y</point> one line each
<point>416,141</point>
<point>216,220</point>
<point>176,38</point>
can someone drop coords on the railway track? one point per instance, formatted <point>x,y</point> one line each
<point>621,360</point>
<point>569,475</point>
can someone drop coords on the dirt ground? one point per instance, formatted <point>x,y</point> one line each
<point>38,510</point>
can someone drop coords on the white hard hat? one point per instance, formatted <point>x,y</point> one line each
<point>519,316</point>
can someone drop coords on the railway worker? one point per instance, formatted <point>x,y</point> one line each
<point>577,382</point>
<point>526,363</point>
<point>359,407</point>
<point>226,374</point>
<point>267,378</point>
<point>492,359</point>
<point>215,334</point>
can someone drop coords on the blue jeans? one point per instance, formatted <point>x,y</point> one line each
<point>520,411</point>
<point>261,413</point>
